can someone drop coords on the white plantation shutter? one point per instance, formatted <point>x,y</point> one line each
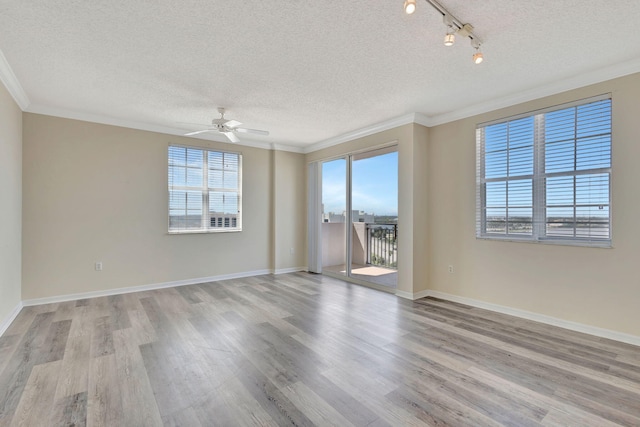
<point>204,190</point>
<point>546,176</point>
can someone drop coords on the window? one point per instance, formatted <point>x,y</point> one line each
<point>205,190</point>
<point>546,177</point>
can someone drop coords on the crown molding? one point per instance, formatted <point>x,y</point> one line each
<point>370,130</point>
<point>106,120</point>
<point>12,84</point>
<point>575,82</point>
<point>423,120</point>
<point>112,121</point>
<point>290,148</point>
<point>14,87</point>
<point>578,81</point>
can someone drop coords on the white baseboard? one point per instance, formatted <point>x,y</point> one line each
<point>549,320</point>
<point>412,296</point>
<point>128,290</point>
<point>4,325</point>
<point>289,270</point>
<point>574,326</point>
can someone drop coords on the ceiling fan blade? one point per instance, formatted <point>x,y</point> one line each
<point>232,137</point>
<point>198,132</point>
<point>255,131</point>
<point>232,124</point>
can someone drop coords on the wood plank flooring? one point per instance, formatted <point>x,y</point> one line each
<point>300,350</point>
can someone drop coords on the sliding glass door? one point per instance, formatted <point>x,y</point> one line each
<point>360,216</point>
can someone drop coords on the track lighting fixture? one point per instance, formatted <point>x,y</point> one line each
<point>450,38</point>
<point>455,27</point>
<point>477,57</point>
<point>409,6</point>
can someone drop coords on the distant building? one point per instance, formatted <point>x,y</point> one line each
<point>216,220</point>
<point>333,217</point>
<point>223,220</point>
<point>357,216</point>
<point>362,216</point>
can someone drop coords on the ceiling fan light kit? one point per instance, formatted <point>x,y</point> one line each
<point>454,27</point>
<point>227,127</point>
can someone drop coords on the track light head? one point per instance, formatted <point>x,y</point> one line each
<point>409,6</point>
<point>449,39</point>
<point>477,57</point>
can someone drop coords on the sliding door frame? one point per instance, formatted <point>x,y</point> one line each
<point>315,203</point>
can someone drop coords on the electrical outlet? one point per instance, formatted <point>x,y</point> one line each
<point>98,265</point>
<point>291,251</point>
<point>451,269</point>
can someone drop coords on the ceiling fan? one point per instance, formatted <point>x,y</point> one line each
<point>227,127</point>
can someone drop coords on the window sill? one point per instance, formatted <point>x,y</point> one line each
<point>560,242</point>
<point>219,230</point>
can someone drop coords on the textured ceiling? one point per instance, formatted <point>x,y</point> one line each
<point>307,71</point>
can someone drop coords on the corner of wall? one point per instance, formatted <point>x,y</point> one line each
<point>421,225</point>
<point>11,130</point>
<point>288,211</point>
<point>6,322</point>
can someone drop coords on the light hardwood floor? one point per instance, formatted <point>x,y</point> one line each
<point>300,349</point>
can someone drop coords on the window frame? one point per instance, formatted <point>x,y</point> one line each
<point>539,181</point>
<point>205,191</point>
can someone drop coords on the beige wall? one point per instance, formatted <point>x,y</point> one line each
<point>98,193</point>
<point>289,210</point>
<point>94,192</point>
<point>11,202</point>
<point>597,287</point>
<point>422,224</point>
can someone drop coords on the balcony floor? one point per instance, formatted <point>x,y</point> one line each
<point>369,273</point>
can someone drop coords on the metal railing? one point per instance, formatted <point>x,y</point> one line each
<point>382,245</point>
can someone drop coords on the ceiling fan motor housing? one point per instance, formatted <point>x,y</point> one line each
<point>227,127</point>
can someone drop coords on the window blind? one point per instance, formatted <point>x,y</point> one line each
<point>204,190</point>
<point>546,176</point>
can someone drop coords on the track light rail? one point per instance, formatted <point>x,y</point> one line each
<point>454,25</point>
<point>464,30</point>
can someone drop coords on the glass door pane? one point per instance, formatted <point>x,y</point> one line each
<point>374,216</point>
<point>334,216</point>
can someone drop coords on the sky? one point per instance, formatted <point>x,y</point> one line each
<point>375,185</point>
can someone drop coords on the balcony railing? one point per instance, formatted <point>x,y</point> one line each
<point>382,245</point>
